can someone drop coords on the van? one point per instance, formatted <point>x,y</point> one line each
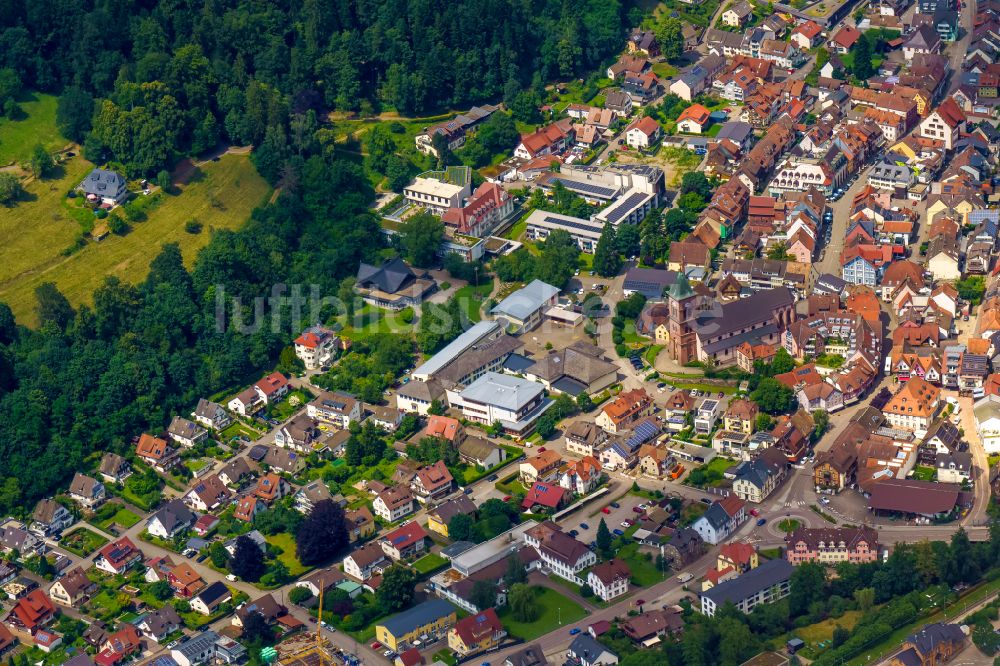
<point>685,577</point>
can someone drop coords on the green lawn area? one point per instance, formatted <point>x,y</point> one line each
<point>286,542</point>
<point>517,230</point>
<point>693,512</point>
<point>123,518</point>
<point>370,320</point>
<point>34,233</point>
<point>550,602</point>
<point>714,130</point>
<point>18,137</point>
<point>235,429</point>
<point>292,403</point>
<point>630,335</point>
<point>710,388</point>
<point>429,563</point>
<point>924,473</point>
<point>823,631</point>
<point>83,542</point>
<point>196,464</point>
<point>644,571</point>
<point>788,525</point>
<point>664,70</point>
<point>719,465</point>
<point>471,299</point>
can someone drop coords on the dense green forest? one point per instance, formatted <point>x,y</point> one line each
<point>174,77</point>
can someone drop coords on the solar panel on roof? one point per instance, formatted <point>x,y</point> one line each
<point>571,223</point>
<point>626,206</point>
<point>580,186</point>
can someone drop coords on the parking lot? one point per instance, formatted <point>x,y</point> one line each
<point>613,518</point>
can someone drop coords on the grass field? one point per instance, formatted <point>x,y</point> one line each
<point>428,563</point>
<point>924,473</point>
<point>83,542</point>
<point>34,233</point>
<point>789,525</point>
<point>556,611</point>
<point>644,571</point>
<point>18,137</point>
<point>123,518</point>
<point>471,298</point>
<point>286,543</point>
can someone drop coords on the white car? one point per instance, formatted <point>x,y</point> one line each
<point>231,578</point>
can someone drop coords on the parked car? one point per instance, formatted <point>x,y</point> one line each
<point>617,532</point>
<point>754,512</point>
<point>584,526</point>
<point>705,500</point>
<point>626,523</point>
<point>637,509</point>
<point>616,505</point>
<point>605,510</point>
<point>761,522</point>
<point>506,498</point>
<point>493,478</point>
<point>574,631</point>
<point>376,645</point>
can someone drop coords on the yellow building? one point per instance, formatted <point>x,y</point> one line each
<point>432,618</point>
<point>662,334</point>
<point>476,633</point>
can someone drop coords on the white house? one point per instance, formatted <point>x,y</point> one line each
<point>337,408</point>
<point>721,519</point>
<point>944,123</point>
<point>211,415</point>
<point>953,467</point>
<point>562,554</point>
<point>316,346</point>
<point>516,403</point>
<point>987,413</point>
<point>393,504</point>
<point>105,186</point>
<point>609,579</point>
<point>643,133</point>
<point>366,561</point>
<point>186,433</point>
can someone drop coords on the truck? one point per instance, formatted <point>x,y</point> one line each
<point>685,577</point>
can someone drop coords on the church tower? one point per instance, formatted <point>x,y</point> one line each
<point>683,345</point>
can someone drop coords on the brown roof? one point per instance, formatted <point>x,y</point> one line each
<point>151,447</point>
<point>850,536</point>
<point>911,496</point>
<point>915,398</point>
<point>689,253</point>
<point>610,571</point>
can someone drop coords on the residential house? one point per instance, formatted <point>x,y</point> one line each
<point>156,453</point>
<point>104,186</point>
<point>209,599</point>
<point>87,491</point>
<point>586,651</point>
<point>336,408</point>
<point>157,624</point>
<point>582,476</point>
<point>758,478</point>
<point>944,124</point>
<point>831,545</point>
<point>738,14</point>
<point>609,579</point>
<point>431,618</point>
<point>72,588</point>
<point>211,415</point>
<point>198,650</point>
<point>432,482</point>
<point>741,416</point>
<point>542,467</point>
<point>393,504</point>
<point>722,518</point>
<point>185,581</point>
<point>118,556</point>
<point>643,133</point>
<point>405,542</point>
<point>584,438</point>
<point>439,517</point>
<point>186,433</point>
<point>541,496</point>
<point>271,487</point>
<point>311,494</point>
<point>628,408</point>
<point>476,634</point>
<point>360,523</point>
<point>694,119</point>
<point>170,520</point>
<point>365,562</point>
<point>114,468</point>
<point>934,644</point>
<point>559,552</point>
<point>914,406</point>
<point>316,347</point>
<point>50,518</point>
<point>768,583</point>
<point>248,507</point>
<point>954,467</point>
<point>207,494</point>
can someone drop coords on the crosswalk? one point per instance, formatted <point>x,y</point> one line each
<point>796,503</point>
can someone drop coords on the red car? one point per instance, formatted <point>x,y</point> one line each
<point>637,509</point>
<point>754,512</point>
<point>506,498</point>
<point>376,645</point>
<point>541,449</point>
<point>605,510</point>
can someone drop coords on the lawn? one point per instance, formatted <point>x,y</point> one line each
<point>471,298</point>
<point>123,518</point>
<point>196,464</point>
<point>429,563</point>
<point>18,137</point>
<point>286,542</point>
<point>823,631</point>
<point>83,542</point>
<point>33,234</point>
<point>556,610</point>
<point>708,388</point>
<point>924,473</point>
<point>789,525</point>
<point>236,429</point>
<point>292,403</point>
<point>630,335</point>
<point>664,70</point>
<point>370,320</point>
<point>644,571</point>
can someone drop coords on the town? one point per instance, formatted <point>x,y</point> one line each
<point>697,364</point>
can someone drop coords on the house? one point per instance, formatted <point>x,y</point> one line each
<point>160,623</point>
<point>47,641</point>
<point>944,124</point>
<point>914,406</point>
<point>768,583</point>
<point>118,556</point>
<point>197,650</point>
<point>987,414</point>
<point>561,553</point>
<point>336,408</point>
<point>831,545</point>
<point>643,133</point>
<point>954,467</point>
<point>706,416</point>
<point>211,415</point>
<point>545,495</point>
<point>316,346</point>
<point>360,523</point>
<point>207,494</point>
<point>844,39</point>
<point>271,487</point>
<point>582,476</point>
<point>31,612</point>
<point>620,102</point>
<point>393,504</point>
<point>548,140</point>
<point>479,452</point>
<point>72,589</point>
<point>684,547</point>
<point>366,562</point>
<point>476,634</point>
<point>246,402</point>
<point>694,119</point>
<point>523,309</point>
<point>609,579</point>
<point>924,39</point>
<point>86,491</point>
<point>584,438</point>
<point>439,517</point>
<point>394,285</point>
<point>737,14</point>
<point>272,388</point>
<point>283,460</point>
<point>586,651</point>
<point>432,618</point>
<point>691,83</point>
<point>186,433</point>
<point>934,644</point>
<point>646,628</point>
<point>119,646</point>
<point>156,453</point>
<point>248,507</point>
<point>806,34</point>
<point>209,599</point>
<point>722,518</point>
<point>405,542</point>
<point>170,520</point>
<point>432,482</point>
<point>309,495</point>
<point>541,467</point>
<point>301,434</point>
<point>9,642</point>
<point>114,468</point>
<point>49,518</point>
<point>515,402</point>
<point>757,478</point>
<point>741,416</point>
<point>265,605</point>
<point>531,655</point>
<point>689,254</point>
<point>628,408</point>
<point>579,368</point>
<point>185,581</point>
<point>104,186</point>
<point>654,462</point>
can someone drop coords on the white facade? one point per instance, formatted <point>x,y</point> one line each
<point>616,588</point>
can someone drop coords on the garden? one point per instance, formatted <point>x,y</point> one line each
<point>82,542</point>
<point>553,610</point>
<point>113,513</point>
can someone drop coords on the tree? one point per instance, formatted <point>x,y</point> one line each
<point>773,397</point>
<point>380,146</point>
<point>161,590</point>
<point>298,595</point>
<point>961,565</point>
<point>256,631</point>
<point>483,594</point>
<point>807,585</point>
<point>460,527</point>
<point>669,33</point>
<point>322,534</point>
<point>821,421</point>
<point>778,252</point>
<point>218,553</point>
<point>10,188</point>
<point>40,162</point>
<point>515,571</point>
<point>396,591</point>
<point>971,289</point>
<point>521,599</point>
<point>603,539</point>
<point>862,53</point>
<point>420,237</point>
<point>629,241</point>
<point>546,425</point>
<point>247,561</point>
<point>163,181</point>
<point>763,422</point>
<point>53,308</point>
<point>584,402</point>
<point>74,111</point>
<point>695,181</point>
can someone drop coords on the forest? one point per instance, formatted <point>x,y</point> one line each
<point>176,77</point>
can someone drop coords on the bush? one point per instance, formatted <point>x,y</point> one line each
<point>117,225</point>
<point>406,315</point>
<point>101,213</point>
<point>586,592</point>
<point>299,594</point>
<point>192,227</point>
